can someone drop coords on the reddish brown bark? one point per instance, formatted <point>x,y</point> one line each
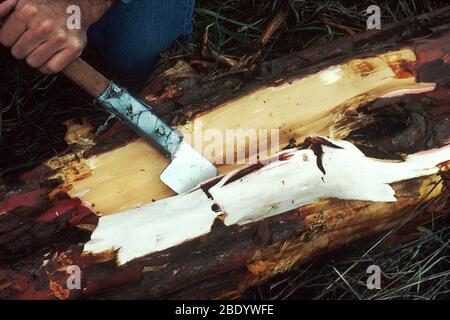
<point>41,233</point>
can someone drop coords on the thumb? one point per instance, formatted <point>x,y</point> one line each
<point>6,7</point>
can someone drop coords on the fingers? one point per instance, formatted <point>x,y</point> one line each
<point>39,36</point>
<point>60,60</point>
<point>33,38</point>
<point>7,7</point>
<point>16,25</point>
<point>45,51</point>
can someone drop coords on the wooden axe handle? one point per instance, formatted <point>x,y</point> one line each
<point>85,76</point>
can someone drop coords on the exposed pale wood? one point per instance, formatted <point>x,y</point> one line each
<point>398,108</point>
<point>297,108</point>
<point>292,179</point>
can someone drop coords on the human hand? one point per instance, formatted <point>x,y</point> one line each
<point>36,30</point>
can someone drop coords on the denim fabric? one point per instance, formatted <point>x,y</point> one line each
<point>132,34</point>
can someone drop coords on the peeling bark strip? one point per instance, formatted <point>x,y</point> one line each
<point>293,183</point>
<point>387,118</point>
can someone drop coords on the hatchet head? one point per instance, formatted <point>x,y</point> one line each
<point>187,169</point>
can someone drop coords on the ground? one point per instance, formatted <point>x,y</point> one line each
<point>33,108</point>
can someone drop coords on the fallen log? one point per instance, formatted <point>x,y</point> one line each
<point>385,113</point>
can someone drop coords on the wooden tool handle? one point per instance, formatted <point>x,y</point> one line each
<point>86,77</point>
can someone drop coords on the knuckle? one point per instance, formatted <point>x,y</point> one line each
<point>44,70</point>
<point>15,52</point>
<point>32,62</point>
<point>5,38</point>
<point>45,28</point>
<point>27,11</point>
<point>60,38</point>
<point>76,47</point>
<point>52,68</point>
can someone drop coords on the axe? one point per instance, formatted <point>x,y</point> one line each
<point>187,167</point>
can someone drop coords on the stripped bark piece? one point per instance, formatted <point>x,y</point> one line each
<point>294,180</point>
<point>386,108</point>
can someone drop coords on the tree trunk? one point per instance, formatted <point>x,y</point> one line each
<point>381,107</point>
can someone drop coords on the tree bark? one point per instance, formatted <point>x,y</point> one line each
<point>383,104</point>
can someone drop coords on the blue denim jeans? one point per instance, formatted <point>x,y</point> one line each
<point>133,33</point>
